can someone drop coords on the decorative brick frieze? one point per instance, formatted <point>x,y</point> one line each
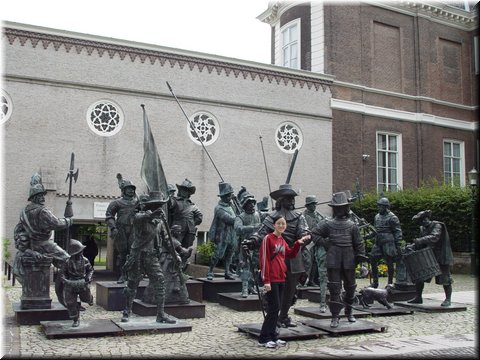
<point>163,58</point>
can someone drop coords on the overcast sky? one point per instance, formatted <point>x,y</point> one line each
<point>222,27</point>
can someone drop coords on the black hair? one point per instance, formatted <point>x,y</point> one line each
<point>277,217</point>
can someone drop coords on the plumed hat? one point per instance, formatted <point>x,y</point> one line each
<point>122,183</point>
<point>36,186</point>
<point>422,214</point>
<point>187,186</point>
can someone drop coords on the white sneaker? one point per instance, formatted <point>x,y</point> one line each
<point>270,344</point>
<point>281,343</point>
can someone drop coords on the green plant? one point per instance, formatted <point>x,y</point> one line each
<point>205,251</point>
<point>6,251</point>
<point>451,205</point>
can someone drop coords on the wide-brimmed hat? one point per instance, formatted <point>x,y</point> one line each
<point>283,190</point>
<point>187,186</point>
<point>422,214</point>
<point>311,199</point>
<point>339,199</point>
<point>224,188</point>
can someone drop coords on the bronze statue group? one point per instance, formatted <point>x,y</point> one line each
<point>154,236</point>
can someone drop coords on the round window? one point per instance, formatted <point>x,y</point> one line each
<point>105,118</point>
<point>203,129</point>
<point>288,137</point>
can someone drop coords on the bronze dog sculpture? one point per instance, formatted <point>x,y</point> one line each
<point>369,294</point>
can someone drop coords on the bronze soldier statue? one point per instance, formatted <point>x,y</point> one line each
<point>33,232</point>
<point>222,231</point>
<point>76,275</point>
<point>434,234</point>
<point>119,218</point>
<point>149,233</point>
<point>297,227</point>
<point>345,248</point>
<point>245,225</point>
<point>185,213</point>
<point>317,273</point>
<point>387,240</point>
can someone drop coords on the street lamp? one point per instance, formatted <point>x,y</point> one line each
<point>472,179</point>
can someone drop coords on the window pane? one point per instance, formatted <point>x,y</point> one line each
<point>392,160</point>
<point>286,58</point>
<point>456,166</point>
<point>456,150</point>
<point>382,142</point>
<point>293,32</point>
<point>447,150</point>
<point>382,158</point>
<point>381,175</point>
<point>392,176</point>
<point>392,143</point>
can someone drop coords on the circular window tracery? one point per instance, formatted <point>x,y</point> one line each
<point>205,127</point>
<point>5,106</point>
<point>105,118</point>
<point>288,137</point>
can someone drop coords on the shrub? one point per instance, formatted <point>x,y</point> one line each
<point>204,252</point>
<point>451,205</point>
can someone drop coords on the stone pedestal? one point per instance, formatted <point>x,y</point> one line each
<point>211,288</point>
<point>36,284</point>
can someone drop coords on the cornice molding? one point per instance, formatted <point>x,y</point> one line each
<point>435,11</point>
<point>377,111</point>
<point>164,58</point>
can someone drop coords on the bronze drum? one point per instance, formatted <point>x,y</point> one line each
<point>422,265</point>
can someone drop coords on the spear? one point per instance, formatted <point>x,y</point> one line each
<point>266,169</point>
<point>73,176</point>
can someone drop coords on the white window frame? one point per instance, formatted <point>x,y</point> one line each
<point>296,41</point>
<point>451,158</point>
<point>399,163</point>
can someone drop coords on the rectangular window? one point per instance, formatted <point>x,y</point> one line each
<point>453,163</point>
<point>291,45</point>
<point>388,162</point>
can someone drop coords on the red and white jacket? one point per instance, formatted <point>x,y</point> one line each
<point>273,251</point>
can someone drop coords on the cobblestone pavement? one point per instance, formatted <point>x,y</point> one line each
<point>421,334</point>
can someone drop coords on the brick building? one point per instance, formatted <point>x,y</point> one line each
<point>405,94</point>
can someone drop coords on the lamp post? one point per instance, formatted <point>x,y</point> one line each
<point>472,178</point>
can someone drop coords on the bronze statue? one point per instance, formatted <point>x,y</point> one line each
<point>119,218</point>
<point>185,213</point>
<point>176,291</point>
<point>246,224</point>
<point>434,235</point>
<point>345,248</point>
<point>149,233</point>
<point>222,231</point>
<point>387,240</point>
<point>33,233</point>
<point>316,253</point>
<point>297,228</point>
<point>76,275</point>
<point>369,294</point>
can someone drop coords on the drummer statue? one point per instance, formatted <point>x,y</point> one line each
<point>434,234</point>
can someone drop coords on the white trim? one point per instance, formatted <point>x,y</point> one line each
<point>297,24</point>
<point>317,37</point>
<point>404,96</point>
<point>401,115</point>
<point>5,117</point>
<point>399,158</point>
<point>462,159</point>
